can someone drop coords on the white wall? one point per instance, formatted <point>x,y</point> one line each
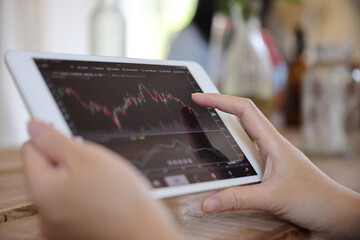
<point>64,26</point>
<point>40,25</point>
<point>12,111</point>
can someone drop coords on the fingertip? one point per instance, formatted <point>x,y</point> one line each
<point>50,142</point>
<point>201,99</point>
<point>36,128</point>
<point>208,206</point>
<point>195,96</point>
<point>211,205</point>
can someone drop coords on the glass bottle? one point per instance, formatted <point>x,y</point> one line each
<point>248,70</point>
<point>330,102</point>
<point>297,69</point>
<point>108,29</point>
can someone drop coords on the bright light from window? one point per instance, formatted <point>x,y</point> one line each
<point>178,14</point>
<point>151,23</point>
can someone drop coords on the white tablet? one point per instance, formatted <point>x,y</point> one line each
<point>141,109</point>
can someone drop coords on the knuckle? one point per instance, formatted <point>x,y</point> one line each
<point>245,105</point>
<point>249,104</point>
<point>216,102</point>
<point>234,201</point>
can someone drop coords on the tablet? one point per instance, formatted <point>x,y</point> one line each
<point>141,109</point>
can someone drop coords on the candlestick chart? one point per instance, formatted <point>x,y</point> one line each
<point>145,113</point>
<point>142,98</point>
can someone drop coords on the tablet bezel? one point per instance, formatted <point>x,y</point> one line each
<point>41,105</point>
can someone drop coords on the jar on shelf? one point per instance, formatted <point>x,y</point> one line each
<point>330,102</point>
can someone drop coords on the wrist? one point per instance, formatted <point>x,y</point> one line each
<point>348,224</point>
<point>345,217</point>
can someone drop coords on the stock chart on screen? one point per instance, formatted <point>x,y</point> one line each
<point>145,113</point>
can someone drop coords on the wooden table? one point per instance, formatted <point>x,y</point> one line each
<point>18,219</point>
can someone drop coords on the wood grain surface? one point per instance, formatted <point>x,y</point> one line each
<point>18,219</point>
<point>250,225</point>
<point>14,203</point>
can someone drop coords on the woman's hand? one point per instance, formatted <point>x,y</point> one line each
<point>84,191</point>
<point>292,187</point>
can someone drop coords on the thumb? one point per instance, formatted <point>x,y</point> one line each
<point>236,198</point>
<point>51,143</point>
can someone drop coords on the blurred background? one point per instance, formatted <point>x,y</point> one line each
<point>298,60</point>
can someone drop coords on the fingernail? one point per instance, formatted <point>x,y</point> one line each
<point>211,205</point>
<point>79,139</point>
<point>36,128</point>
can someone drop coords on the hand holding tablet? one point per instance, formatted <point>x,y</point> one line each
<point>84,191</point>
<point>141,109</point>
<point>144,110</point>
<point>292,188</point>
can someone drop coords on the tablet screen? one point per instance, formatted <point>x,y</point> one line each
<point>145,113</point>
